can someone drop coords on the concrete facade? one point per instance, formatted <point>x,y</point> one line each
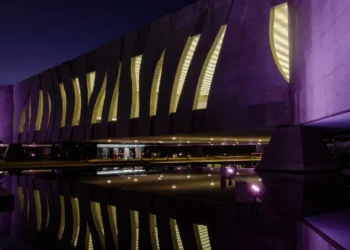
<point>247,94</point>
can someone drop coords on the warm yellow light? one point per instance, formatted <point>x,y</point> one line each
<point>208,70</point>
<point>109,140</point>
<point>173,187</point>
<point>77,102</point>
<point>90,83</point>
<point>39,116</point>
<point>64,105</point>
<point>279,38</point>
<point>109,181</point>
<point>211,139</point>
<point>113,108</point>
<point>135,78</point>
<point>174,138</point>
<point>212,184</point>
<point>182,71</point>
<point>155,85</point>
<point>99,104</point>
<point>136,180</point>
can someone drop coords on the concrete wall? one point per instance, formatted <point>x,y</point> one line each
<point>248,93</point>
<point>320,65</point>
<point>6,113</point>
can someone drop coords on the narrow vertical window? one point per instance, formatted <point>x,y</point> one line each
<point>112,215</point>
<point>182,70</point>
<point>49,116</point>
<point>22,121</point>
<point>77,102</point>
<point>39,115</point>
<point>38,209</point>
<point>279,38</point>
<point>155,85</point>
<point>97,112</point>
<point>135,78</point>
<point>90,81</point>
<point>64,105</point>
<point>113,108</point>
<point>208,70</point>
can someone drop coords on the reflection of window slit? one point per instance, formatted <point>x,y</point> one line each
<point>48,211</point>
<point>154,232</point>
<point>38,209</point>
<point>112,215</point>
<point>202,237</point>
<point>21,198</point>
<point>49,101</point>
<point>134,216</point>
<point>175,235</point>
<point>76,221</point>
<point>62,222</point>
<point>97,217</point>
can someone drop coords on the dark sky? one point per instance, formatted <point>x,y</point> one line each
<point>39,34</point>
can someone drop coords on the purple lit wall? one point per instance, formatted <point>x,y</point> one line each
<point>6,113</point>
<point>320,65</point>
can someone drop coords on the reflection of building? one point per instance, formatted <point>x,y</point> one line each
<point>190,72</point>
<point>123,151</point>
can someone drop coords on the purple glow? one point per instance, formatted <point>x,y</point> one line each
<point>180,154</point>
<point>33,155</point>
<point>255,188</point>
<point>230,170</point>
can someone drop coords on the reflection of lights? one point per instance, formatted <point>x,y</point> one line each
<point>136,180</point>
<point>109,140</point>
<point>129,177</point>
<point>188,176</point>
<point>212,184</point>
<point>173,187</point>
<point>237,173</point>
<point>159,178</point>
<point>209,175</point>
<point>180,154</point>
<point>230,170</point>
<point>33,155</point>
<point>212,169</point>
<point>109,181</point>
<point>174,138</point>
<point>178,168</point>
<point>211,139</point>
<point>259,140</point>
<point>259,179</point>
<point>235,139</point>
<point>188,141</point>
<point>123,171</point>
<point>255,188</point>
<point>0,172</point>
<point>160,142</point>
<point>154,154</point>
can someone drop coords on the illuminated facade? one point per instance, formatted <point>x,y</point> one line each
<point>193,71</point>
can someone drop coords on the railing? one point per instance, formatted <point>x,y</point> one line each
<point>79,216</point>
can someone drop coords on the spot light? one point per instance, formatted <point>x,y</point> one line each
<point>109,140</point>
<point>136,180</point>
<point>230,170</point>
<point>109,181</point>
<point>255,188</point>
<point>174,138</point>
<point>188,176</point>
<point>173,187</point>
<point>212,184</point>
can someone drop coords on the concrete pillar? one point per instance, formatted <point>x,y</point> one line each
<point>297,148</point>
<point>126,153</point>
<point>138,153</point>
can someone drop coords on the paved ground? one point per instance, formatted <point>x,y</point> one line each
<point>205,186</point>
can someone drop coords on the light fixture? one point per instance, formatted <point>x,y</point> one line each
<point>188,141</point>
<point>211,139</point>
<point>173,187</point>
<point>180,154</point>
<point>260,179</point>
<point>188,176</point>
<point>209,175</point>
<point>235,139</point>
<point>129,177</point>
<point>212,184</point>
<point>135,180</point>
<point>114,119</point>
<point>174,138</point>
<point>135,141</point>
<point>159,178</point>
<point>237,173</point>
<point>109,140</point>
<point>230,170</point>
<point>160,142</point>
<point>255,188</point>
<point>109,181</point>
<point>222,143</point>
<point>259,140</point>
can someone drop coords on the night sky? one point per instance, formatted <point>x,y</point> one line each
<point>39,34</point>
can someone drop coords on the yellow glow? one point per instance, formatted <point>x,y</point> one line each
<point>154,232</point>
<point>76,221</point>
<point>90,82</point>
<point>97,113</point>
<point>208,70</point>
<point>113,108</point>
<point>62,221</point>
<point>202,237</point>
<point>134,217</point>
<point>64,105</point>
<point>23,120</point>
<point>155,85</point>
<point>77,103</point>
<point>37,209</point>
<point>135,78</point>
<point>182,70</point>
<point>39,115</point>
<point>175,235</point>
<point>279,38</point>
<point>49,116</point>
<point>97,218</point>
